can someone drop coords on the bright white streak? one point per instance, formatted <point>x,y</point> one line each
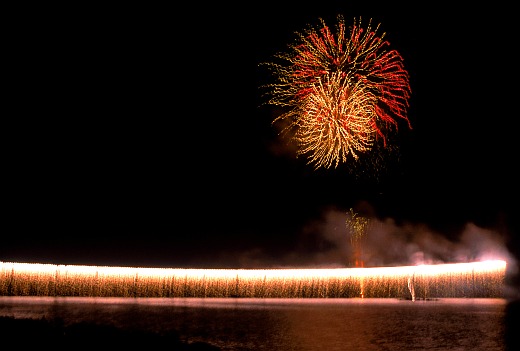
<point>251,274</point>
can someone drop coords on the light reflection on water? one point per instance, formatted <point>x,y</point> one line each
<point>288,324</point>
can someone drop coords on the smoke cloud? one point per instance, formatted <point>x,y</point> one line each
<point>385,243</point>
<point>327,243</point>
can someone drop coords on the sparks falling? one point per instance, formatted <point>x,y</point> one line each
<point>473,279</point>
<point>343,91</point>
<point>357,228</point>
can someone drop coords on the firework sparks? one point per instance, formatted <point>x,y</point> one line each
<point>357,228</point>
<point>473,279</point>
<point>343,92</point>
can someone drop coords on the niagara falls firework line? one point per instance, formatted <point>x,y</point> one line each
<point>343,92</point>
<point>471,279</point>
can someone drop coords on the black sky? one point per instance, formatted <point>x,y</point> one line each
<point>136,136</point>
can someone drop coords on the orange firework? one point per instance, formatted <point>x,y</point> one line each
<point>342,92</point>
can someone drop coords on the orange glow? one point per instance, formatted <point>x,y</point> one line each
<point>475,279</point>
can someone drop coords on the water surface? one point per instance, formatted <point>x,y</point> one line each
<point>288,324</point>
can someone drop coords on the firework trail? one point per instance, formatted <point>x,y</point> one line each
<point>357,228</point>
<point>343,92</point>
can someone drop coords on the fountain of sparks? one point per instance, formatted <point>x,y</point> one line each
<point>411,286</point>
<point>476,279</point>
<point>357,228</point>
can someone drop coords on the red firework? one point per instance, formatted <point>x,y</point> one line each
<point>342,91</point>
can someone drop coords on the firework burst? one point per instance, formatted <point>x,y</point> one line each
<point>343,92</point>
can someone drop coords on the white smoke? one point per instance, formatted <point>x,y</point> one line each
<point>325,243</point>
<point>386,243</point>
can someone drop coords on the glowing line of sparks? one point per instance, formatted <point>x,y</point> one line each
<point>8,268</point>
<point>342,92</point>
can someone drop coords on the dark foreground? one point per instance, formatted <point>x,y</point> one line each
<point>43,333</point>
<point>27,333</point>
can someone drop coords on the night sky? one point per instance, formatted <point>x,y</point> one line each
<point>136,137</point>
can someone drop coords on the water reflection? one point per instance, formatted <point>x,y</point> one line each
<point>288,324</point>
